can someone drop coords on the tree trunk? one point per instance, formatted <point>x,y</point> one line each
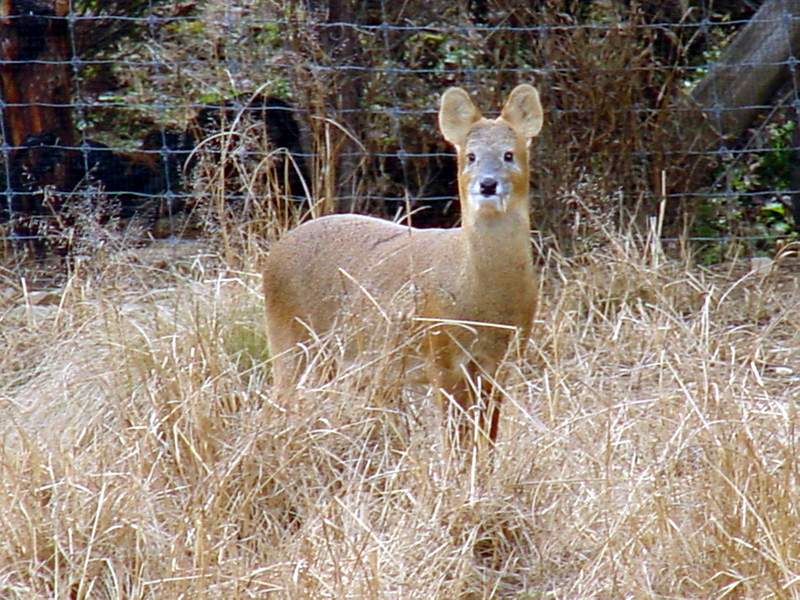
<point>750,70</point>
<point>759,60</point>
<point>35,70</point>
<point>340,44</point>
<point>739,86</point>
<point>36,93</point>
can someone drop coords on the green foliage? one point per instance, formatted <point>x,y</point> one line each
<point>186,28</point>
<point>772,168</point>
<point>754,206</point>
<point>270,35</point>
<point>246,344</point>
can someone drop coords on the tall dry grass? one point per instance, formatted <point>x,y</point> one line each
<point>648,442</point>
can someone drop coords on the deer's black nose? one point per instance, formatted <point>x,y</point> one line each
<point>488,186</point>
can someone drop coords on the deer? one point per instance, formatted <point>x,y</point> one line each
<point>468,293</point>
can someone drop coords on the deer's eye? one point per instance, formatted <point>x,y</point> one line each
<point>508,156</point>
<point>471,157</point>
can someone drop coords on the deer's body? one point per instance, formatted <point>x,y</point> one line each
<point>468,291</point>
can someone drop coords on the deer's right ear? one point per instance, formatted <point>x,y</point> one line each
<point>457,114</point>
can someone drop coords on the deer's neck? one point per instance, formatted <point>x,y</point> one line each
<point>498,252</point>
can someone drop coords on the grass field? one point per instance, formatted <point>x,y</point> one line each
<point>648,443</point>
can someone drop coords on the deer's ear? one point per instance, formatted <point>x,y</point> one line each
<point>523,111</point>
<point>457,114</point>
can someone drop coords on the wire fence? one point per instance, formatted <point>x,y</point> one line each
<point>164,114</point>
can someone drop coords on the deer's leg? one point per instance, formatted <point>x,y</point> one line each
<point>495,419</point>
<point>288,359</point>
<point>456,402</point>
<point>452,390</point>
<point>286,369</point>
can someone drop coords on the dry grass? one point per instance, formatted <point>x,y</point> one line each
<point>648,445</point>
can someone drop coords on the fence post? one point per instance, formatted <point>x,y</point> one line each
<point>340,43</point>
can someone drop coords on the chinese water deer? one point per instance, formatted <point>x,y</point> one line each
<point>466,294</point>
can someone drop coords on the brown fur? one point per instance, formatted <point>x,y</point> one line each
<point>480,274</point>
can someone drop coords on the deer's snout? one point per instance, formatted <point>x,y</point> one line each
<point>488,186</point>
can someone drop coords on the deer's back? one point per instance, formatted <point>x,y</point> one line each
<point>358,263</point>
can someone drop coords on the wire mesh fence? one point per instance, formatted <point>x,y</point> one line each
<point>157,118</point>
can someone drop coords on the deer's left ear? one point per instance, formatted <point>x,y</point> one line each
<point>523,111</point>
